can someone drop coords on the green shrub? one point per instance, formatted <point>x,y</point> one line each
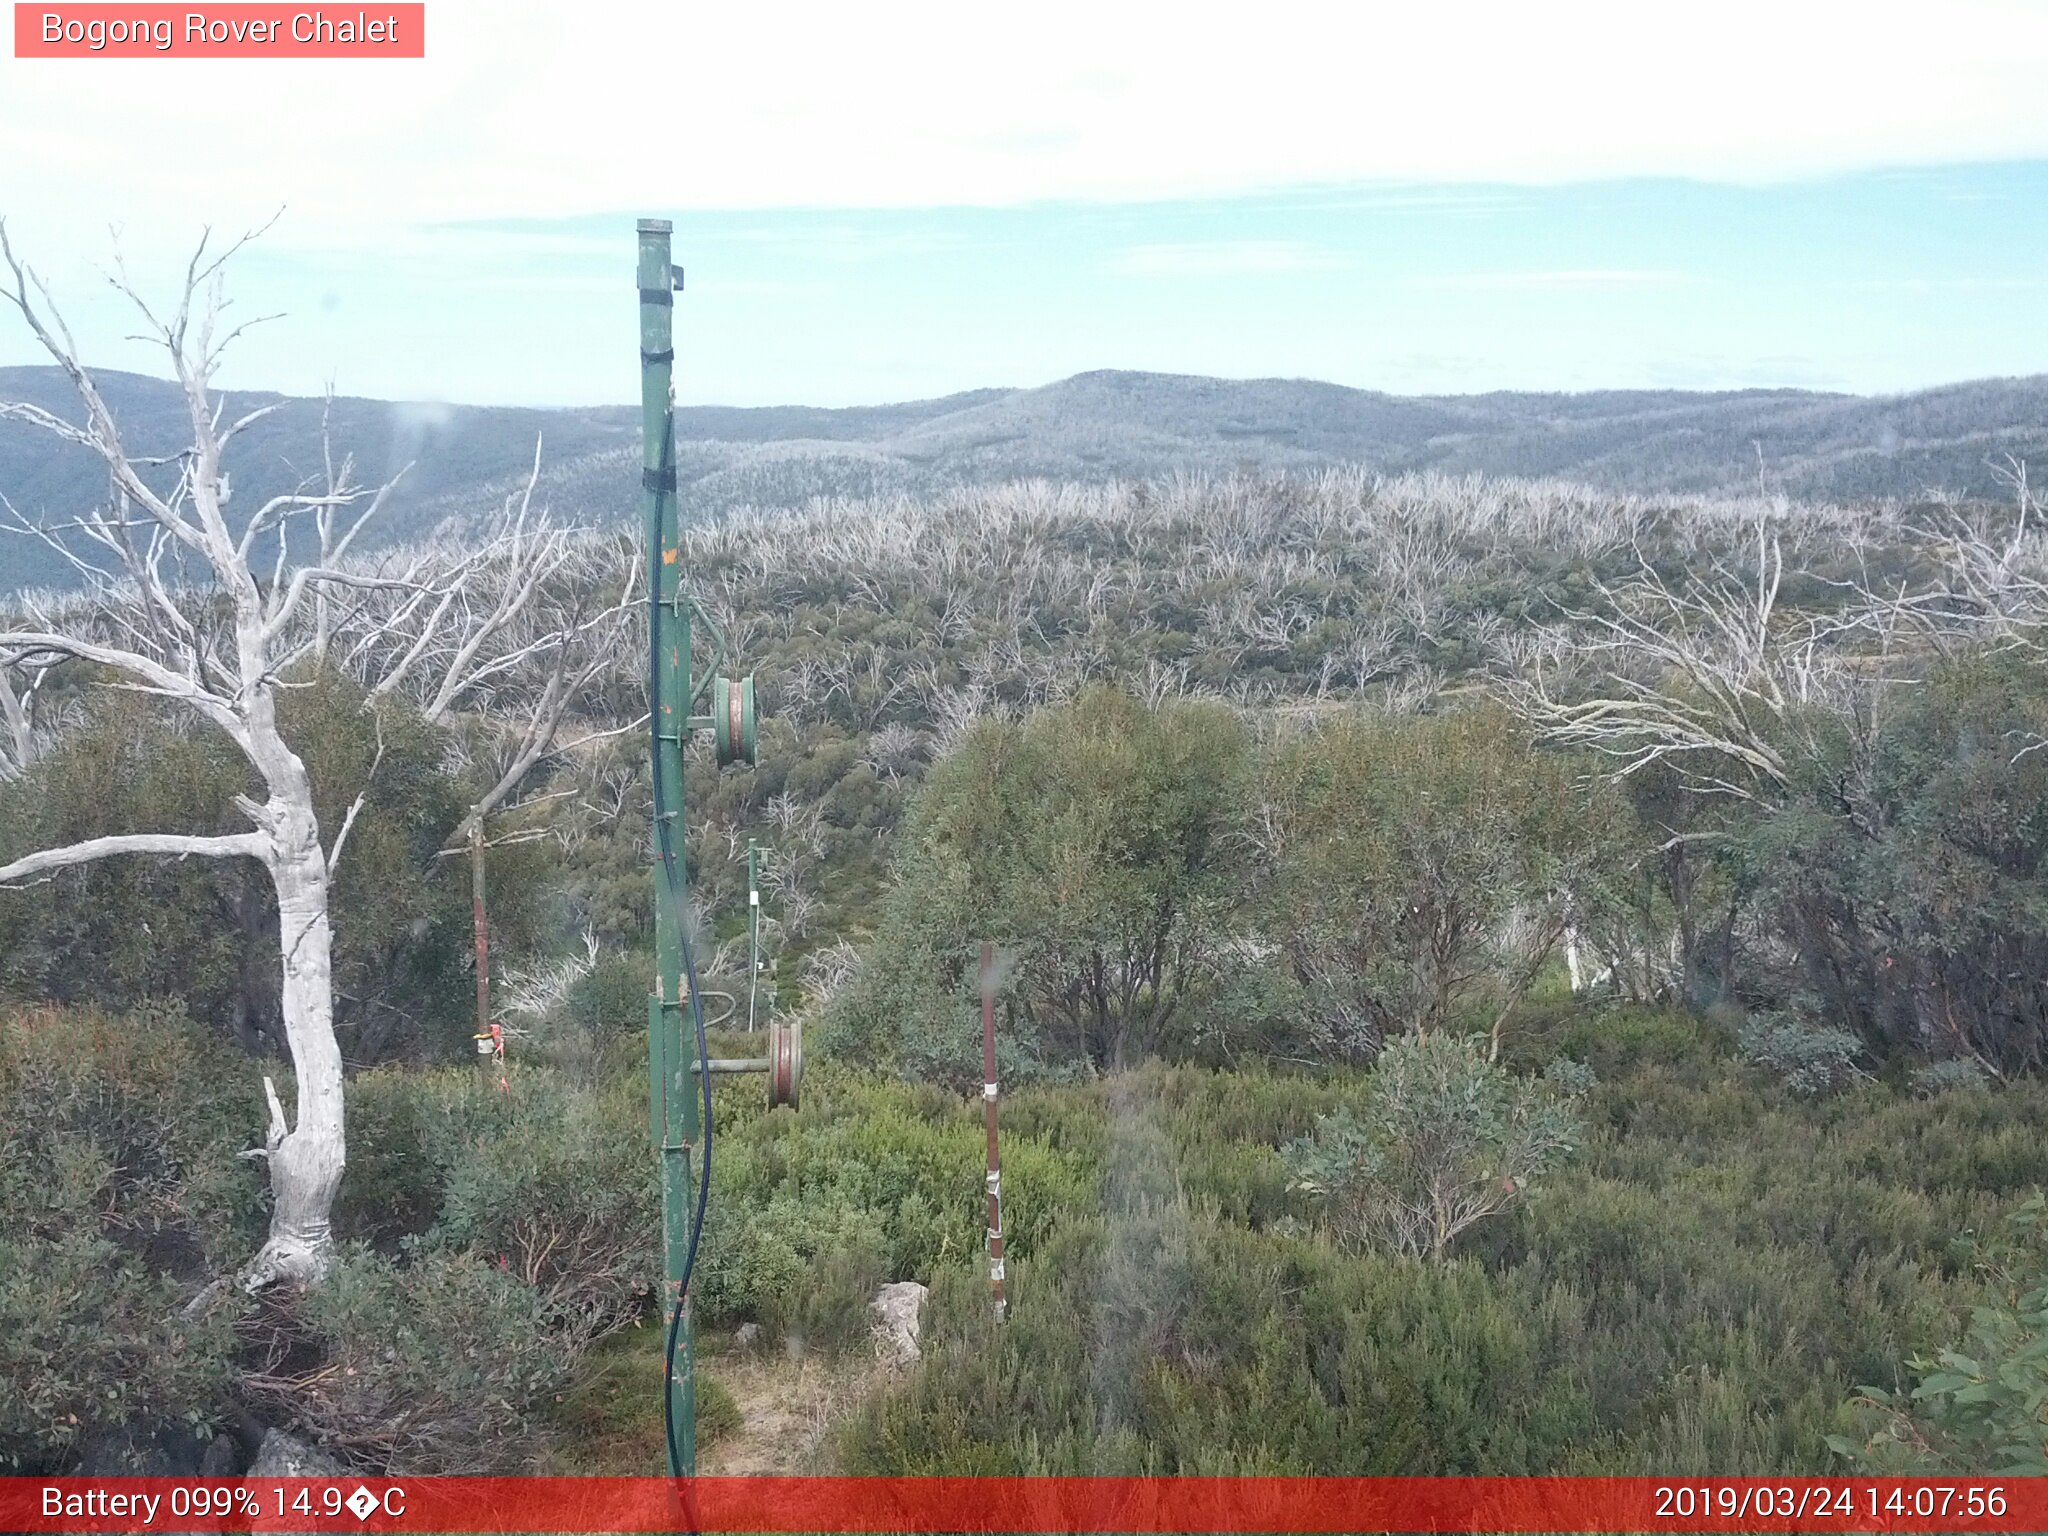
<point>1723,1267</point>
<point>561,1187</point>
<point>756,1259</point>
<point>1979,1406</point>
<point>129,1126</point>
<point>874,1179</point>
<point>829,1311</point>
<point>121,1196</point>
<point>91,1341</point>
<point>1904,871</point>
<point>1418,871</point>
<point>398,1159</point>
<point>125,932</point>
<point>1957,1073</point>
<point>1169,1343</point>
<point>448,1363</point>
<point>1810,1059</point>
<point>1443,1138</point>
<point>1090,842</point>
<point>203,932</point>
<point>1619,1039</point>
<point>556,1179</point>
<point>610,1001</point>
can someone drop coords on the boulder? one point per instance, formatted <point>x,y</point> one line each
<point>283,1455</point>
<point>223,1457</point>
<point>133,1453</point>
<point>899,1311</point>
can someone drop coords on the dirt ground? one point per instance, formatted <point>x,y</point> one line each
<point>787,1409</point>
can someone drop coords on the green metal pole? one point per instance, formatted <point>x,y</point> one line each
<point>672,1093</point>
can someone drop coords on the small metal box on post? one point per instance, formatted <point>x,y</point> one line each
<point>679,1095</point>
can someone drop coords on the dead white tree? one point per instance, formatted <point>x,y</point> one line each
<point>186,617</point>
<point>1708,676</point>
<point>1989,585</point>
<point>185,602</point>
<point>541,614</point>
<point>1701,675</point>
<point>530,612</point>
<point>21,745</point>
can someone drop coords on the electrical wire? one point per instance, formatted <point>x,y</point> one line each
<point>664,842</point>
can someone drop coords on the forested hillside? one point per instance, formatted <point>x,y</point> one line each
<point>1498,977</point>
<point>1091,428</point>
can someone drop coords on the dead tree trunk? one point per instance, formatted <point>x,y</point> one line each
<point>306,1159</point>
<point>220,652</point>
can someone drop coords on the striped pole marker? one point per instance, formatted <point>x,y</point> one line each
<point>988,1104</point>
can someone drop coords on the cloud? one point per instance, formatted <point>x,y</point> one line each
<point>1598,278</point>
<point>528,108</point>
<point>1716,371</point>
<point>1970,284</point>
<point>1222,258</point>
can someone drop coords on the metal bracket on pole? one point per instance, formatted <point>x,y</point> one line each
<point>784,1063</point>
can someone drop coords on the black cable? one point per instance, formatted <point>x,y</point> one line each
<point>668,864</point>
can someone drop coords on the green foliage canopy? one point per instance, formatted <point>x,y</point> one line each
<point>1421,869</point>
<point>1091,844</point>
<point>1443,1138</point>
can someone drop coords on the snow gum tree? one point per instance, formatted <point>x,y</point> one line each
<point>196,602</point>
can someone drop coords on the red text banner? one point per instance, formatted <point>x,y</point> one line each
<point>220,31</point>
<point>1021,1504</point>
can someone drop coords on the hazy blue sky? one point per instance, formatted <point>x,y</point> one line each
<point>1873,282</point>
<point>894,201</point>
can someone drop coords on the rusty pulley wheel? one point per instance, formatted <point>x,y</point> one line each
<point>785,1062</point>
<point>732,719</point>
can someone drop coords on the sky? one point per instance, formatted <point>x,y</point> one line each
<point>896,201</point>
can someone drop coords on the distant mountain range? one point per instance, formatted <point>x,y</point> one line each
<point>1093,426</point>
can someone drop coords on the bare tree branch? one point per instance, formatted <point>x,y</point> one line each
<point>252,845</point>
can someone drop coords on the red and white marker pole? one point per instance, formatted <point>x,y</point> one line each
<point>988,1102</point>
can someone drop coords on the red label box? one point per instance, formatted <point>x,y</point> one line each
<point>352,29</point>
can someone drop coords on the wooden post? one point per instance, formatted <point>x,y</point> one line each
<point>490,1041</point>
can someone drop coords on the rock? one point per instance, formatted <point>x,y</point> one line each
<point>125,1453</point>
<point>223,1457</point>
<point>898,1310</point>
<point>166,1453</point>
<point>283,1455</point>
<point>746,1337</point>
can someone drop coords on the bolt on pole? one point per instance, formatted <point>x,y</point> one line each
<point>672,1091</point>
